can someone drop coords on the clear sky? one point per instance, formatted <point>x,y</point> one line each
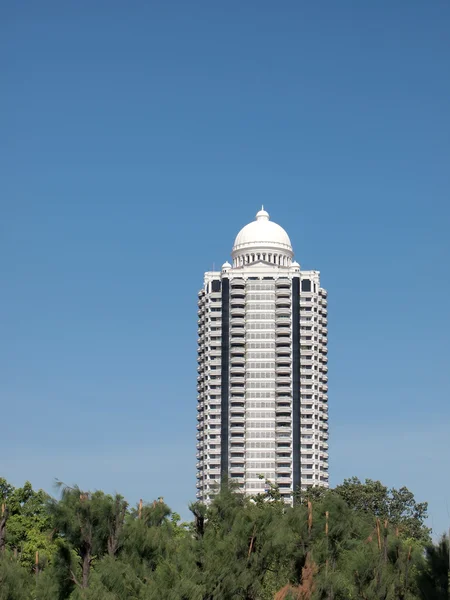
<point>137,138</point>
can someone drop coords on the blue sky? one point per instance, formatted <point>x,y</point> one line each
<point>136,140</point>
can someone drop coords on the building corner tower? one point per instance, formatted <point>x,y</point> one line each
<point>262,404</point>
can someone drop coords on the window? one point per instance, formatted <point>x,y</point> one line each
<point>306,285</point>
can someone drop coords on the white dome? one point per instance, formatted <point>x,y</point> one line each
<point>262,240</point>
<point>262,231</point>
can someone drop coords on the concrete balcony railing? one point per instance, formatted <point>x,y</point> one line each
<point>237,459</point>
<point>283,292</point>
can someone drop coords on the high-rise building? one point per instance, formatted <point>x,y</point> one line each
<point>262,369</point>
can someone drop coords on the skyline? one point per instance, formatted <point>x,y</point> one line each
<point>136,145</point>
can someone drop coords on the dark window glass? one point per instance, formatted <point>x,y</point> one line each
<point>215,287</point>
<point>306,285</point>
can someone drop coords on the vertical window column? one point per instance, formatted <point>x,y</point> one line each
<point>296,407</point>
<point>225,376</point>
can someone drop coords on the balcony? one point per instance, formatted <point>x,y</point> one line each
<point>237,373</point>
<point>237,311</point>
<point>236,379</point>
<point>283,311</point>
<point>283,421</point>
<point>237,332</point>
<point>283,388</point>
<point>284,459</point>
<point>238,300</point>
<point>284,469</point>
<point>237,458</point>
<point>283,284</point>
<point>283,368</point>
<point>236,346</point>
<point>283,292</point>
<point>307,412</point>
<point>237,427</point>
<point>283,480</point>
<point>283,342</point>
<point>237,419</point>
<point>237,322</point>
<point>238,360</point>
<point>237,288</point>
<point>283,333</point>
<point>237,468</point>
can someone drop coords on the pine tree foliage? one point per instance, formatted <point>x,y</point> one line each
<point>360,541</point>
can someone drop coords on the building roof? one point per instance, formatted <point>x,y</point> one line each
<point>262,234</point>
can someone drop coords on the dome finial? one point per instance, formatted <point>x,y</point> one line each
<point>262,215</point>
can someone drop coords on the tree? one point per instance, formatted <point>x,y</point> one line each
<point>397,506</point>
<point>434,578</point>
<point>15,581</point>
<point>25,524</point>
<point>91,524</point>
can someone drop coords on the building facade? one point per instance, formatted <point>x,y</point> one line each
<point>262,404</point>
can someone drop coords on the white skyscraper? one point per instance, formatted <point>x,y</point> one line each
<point>262,368</point>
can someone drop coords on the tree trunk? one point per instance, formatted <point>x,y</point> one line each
<point>3,519</point>
<point>86,567</point>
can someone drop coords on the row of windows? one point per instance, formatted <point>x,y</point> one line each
<point>261,404</point>
<point>260,465</point>
<point>251,364</point>
<point>260,435</point>
<point>252,305</point>
<point>260,415</point>
<point>253,297</point>
<point>260,424</point>
<point>260,374</point>
<point>266,394</point>
<point>260,444</point>
<point>260,316</point>
<point>251,355</point>
<point>268,325</point>
<point>254,454</point>
<point>260,287</point>
<point>266,475</point>
<point>261,384</point>
<point>261,345</point>
<point>269,335</point>
<point>255,485</point>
